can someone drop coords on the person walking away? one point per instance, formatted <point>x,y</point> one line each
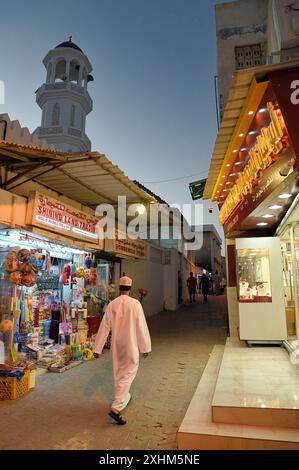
<point>192,284</point>
<point>204,284</point>
<point>125,318</point>
<point>180,288</point>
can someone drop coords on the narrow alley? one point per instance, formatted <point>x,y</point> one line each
<point>69,411</point>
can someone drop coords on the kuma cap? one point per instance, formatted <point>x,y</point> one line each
<point>125,281</point>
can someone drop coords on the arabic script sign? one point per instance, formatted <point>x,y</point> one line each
<point>49,213</point>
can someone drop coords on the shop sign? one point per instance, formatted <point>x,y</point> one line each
<point>122,245</point>
<point>267,183</point>
<point>269,145</point>
<point>47,212</point>
<point>285,84</point>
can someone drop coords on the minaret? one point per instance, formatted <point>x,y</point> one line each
<point>64,99</point>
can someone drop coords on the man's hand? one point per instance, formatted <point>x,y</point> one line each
<point>96,355</point>
<point>145,355</point>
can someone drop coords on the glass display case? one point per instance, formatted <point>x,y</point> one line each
<point>254,281</point>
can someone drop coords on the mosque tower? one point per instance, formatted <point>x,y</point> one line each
<point>64,98</point>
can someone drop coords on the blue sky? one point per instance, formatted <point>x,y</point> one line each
<point>154,63</point>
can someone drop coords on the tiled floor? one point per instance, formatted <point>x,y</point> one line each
<point>257,378</point>
<point>69,410</point>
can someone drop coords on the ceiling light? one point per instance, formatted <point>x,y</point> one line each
<point>262,224</point>
<point>218,191</point>
<point>224,176</point>
<point>250,113</point>
<point>241,135</point>
<point>141,209</point>
<point>220,184</point>
<point>228,165</point>
<point>267,216</point>
<point>238,163</point>
<point>275,207</point>
<point>253,132</point>
<point>263,110</point>
<point>243,149</point>
<point>235,151</point>
<point>232,174</point>
<point>284,196</point>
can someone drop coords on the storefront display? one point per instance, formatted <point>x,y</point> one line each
<point>254,275</point>
<point>48,292</point>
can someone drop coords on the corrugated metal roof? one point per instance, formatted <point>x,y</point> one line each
<point>239,91</point>
<point>89,178</point>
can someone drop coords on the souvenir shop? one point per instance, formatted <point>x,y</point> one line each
<point>53,288</point>
<point>257,191</point>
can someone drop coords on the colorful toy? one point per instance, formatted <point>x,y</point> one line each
<point>11,263</point>
<point>64,279</point>
<point>28,279</point>
<point>15,278</point>
<point>80,273</point>
<point>23,255</point>
<point>88,261</point>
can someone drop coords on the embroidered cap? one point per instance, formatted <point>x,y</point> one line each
<point>125,281</point>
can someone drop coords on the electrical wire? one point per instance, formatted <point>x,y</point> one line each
<point>174,179</point>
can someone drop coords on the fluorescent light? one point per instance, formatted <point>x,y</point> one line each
<point>232,174</point>
<point>267,216</point>
<point>228,182</point>
<point>263,110</point>
<point>243,149</point>
<point>241,135</point>
<point>253,132</point>
<point>250,113</point>
<point>224,176</point>
<point>235,151</point>
<point>220,184</point>
<point>228,165</point>
<point>238,163</point>
<point>218,191</point>
<point>275,207</point>
<point>86,234</point>
<point>262,224</point>
<point>284,196</point>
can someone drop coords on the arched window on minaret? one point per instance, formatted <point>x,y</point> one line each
<point>49,72</point>
<point>74,71</point>
<point>72,120</point>
<point>60,71</point>
<point>56,114</point>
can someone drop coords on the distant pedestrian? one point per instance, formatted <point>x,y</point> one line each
<point>192,285</point>
<point>204,285</point>
<point>217,280</point>
<point>180,288</point>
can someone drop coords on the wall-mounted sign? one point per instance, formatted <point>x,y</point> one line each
<point>271,142</point>
<point>126,246</point>
<point>51,214</point>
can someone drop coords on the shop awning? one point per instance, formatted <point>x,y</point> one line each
<point>239,100</point>
<point>89,178</point>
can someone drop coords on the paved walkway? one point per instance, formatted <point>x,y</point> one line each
<point>69,410</point>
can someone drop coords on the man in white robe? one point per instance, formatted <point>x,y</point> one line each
<point>124,317</point>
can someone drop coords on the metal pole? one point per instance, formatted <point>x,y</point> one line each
<point>295,279</point>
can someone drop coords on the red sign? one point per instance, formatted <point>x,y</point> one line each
<point>286,87</point>
<point>47,212</point>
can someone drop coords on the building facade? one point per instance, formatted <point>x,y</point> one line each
<point>209,256</point>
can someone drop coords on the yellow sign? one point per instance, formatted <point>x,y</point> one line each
<point>266,150</point>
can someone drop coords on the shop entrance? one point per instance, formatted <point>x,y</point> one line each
<point>290,254</point>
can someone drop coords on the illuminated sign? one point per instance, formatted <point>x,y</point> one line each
<point>47,212</point>
<point>269,144</point>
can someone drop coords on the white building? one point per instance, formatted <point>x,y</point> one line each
<point>64,98</point>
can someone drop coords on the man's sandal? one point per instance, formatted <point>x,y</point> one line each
<point>117,417</point>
